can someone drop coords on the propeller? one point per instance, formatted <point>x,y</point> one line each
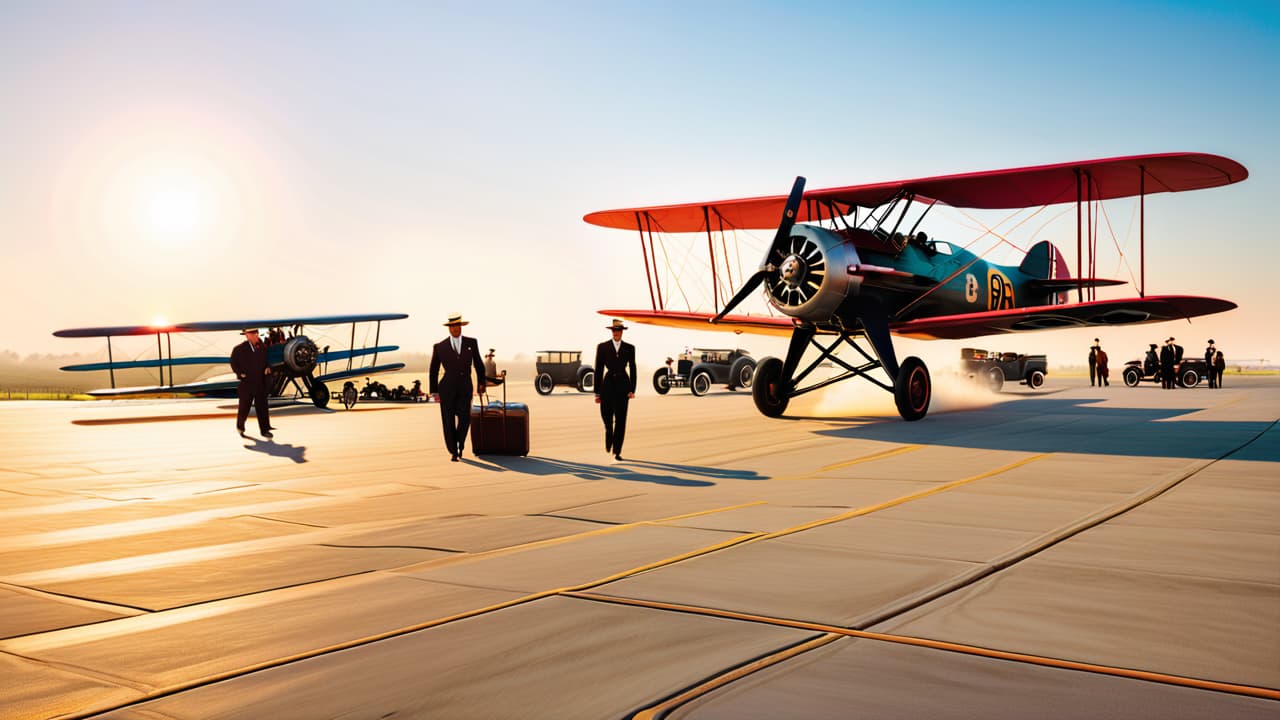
<point>784,231</point>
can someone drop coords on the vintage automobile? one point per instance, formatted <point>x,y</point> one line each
<point>995,368</point>
<point>562,367</point>
<point>1188,373</point>
<point>700,368</point>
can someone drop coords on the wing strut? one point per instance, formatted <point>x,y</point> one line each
<point>377,335</point>
<point>711,252</point>
<point>353,344</point>
<point>111,363</point>
<point>645,254</point>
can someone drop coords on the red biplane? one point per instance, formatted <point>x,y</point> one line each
<point>861,269</point>
<point>295,357</point>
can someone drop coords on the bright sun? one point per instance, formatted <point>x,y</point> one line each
<point>173,209</point>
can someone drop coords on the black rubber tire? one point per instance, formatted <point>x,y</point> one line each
<point>319,394</point>
<point>913,389</point>
<point>741,373</point>
<point>767,388</point>
<point>544,384</point>
<point>586,380</point>
<point>1132,376</point>
<point>1035,379</point>
<point>661,382</point>
<point>995,379</point>
<point>700,383</point>
<point>1189,378</point>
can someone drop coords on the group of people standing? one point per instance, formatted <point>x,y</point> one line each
<point>459,355</point>
<point>1099,372</point>
<point>1167,361</point>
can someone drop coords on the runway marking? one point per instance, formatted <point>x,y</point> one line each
<point>868,458</point>
<point>656,711</point>
<point>904,499</point>
<point>1130,673</point>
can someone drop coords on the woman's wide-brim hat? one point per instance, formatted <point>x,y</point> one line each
<point>456,319</point>
<point>615,325</point>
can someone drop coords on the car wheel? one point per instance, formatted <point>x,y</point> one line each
<point>913,389</point>
<point>661,382</point>
<point>1035,379</point>
<point>1190,378</point>
<point>1132,376</point>
<point>741,373</point>
<point>700,383</point>
<point>544,384</point>
<point>768,389</point>
<point>587,381</point>
<point>995,379</point>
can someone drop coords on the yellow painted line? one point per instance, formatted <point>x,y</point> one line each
<point>1130,673</point>
<point>868,458</point>
<point>900,500</point>
<point>660,709</point>
<point>496,552</point>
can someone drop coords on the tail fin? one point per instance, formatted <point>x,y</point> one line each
<point>1045,261</point>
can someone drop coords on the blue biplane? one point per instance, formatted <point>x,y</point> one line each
<point>294,359</point>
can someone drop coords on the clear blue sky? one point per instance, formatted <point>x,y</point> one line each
<point>444,153</point>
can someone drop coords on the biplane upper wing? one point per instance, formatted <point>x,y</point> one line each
<point>218,325</point>
<point>994,189</point>
<point>1127,311</point>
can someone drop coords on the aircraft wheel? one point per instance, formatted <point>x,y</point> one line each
<point>742,372</point>
<point>1035,379</point>
<point>1132,376</point>
<point>913,389</point>
<point>1190,378</point>
<point>319,394</point>
<point>768,388</point>
<point>661,382</point>
<point>544,384</point>
<point>700,383</point>
<point>995,379</point>
<point>587,381</point>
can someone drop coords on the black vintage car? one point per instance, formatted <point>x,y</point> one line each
<point>996,368</point>
<point>1188,373</point>
<point>701,368</point>
<point>562,367</point>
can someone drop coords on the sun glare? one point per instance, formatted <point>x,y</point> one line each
<point>159,321</point>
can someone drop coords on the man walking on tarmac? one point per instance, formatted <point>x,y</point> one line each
<point>458,355</point>
<point>615,386</point>
<point>249,362</point>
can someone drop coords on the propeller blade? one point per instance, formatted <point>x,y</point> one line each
<point>784,231</point>
<point>789,212</point>
<point>751,284</point>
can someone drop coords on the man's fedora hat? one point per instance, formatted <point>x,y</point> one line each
<point>1210,341</point>
<point>615,325</point>
<point>456,319</point>
<point>246,331</point>
<point>1153,346</point>
<point>1169,340</point>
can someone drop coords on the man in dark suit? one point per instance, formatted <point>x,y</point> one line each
<point>249,362</point>
<point>615,386</point>
<point>457,355</point>
<point>1209,353</point>
<point>1166,365</point>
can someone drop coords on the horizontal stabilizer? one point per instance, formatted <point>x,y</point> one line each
<point>204,387</point>
<point>1053,284</point>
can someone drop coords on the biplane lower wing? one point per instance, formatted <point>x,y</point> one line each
<point>1127,311</point>
<point>360,372</point>
<point>756,325</point>
<point>212,387</point>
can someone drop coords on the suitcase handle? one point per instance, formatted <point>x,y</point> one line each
<point>484,404</point>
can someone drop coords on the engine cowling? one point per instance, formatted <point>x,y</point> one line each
<point>808,274</point>
<point>300,354</point>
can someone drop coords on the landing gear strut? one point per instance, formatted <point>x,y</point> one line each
<point>777,381</point>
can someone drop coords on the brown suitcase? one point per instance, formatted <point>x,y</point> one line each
<point>500,428</point>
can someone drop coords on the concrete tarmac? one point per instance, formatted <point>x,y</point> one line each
<point>1073,552</point>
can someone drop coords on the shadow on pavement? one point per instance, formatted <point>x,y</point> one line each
<point>1075,426</point>
<point>295,453</point>
<point>630,470</point>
